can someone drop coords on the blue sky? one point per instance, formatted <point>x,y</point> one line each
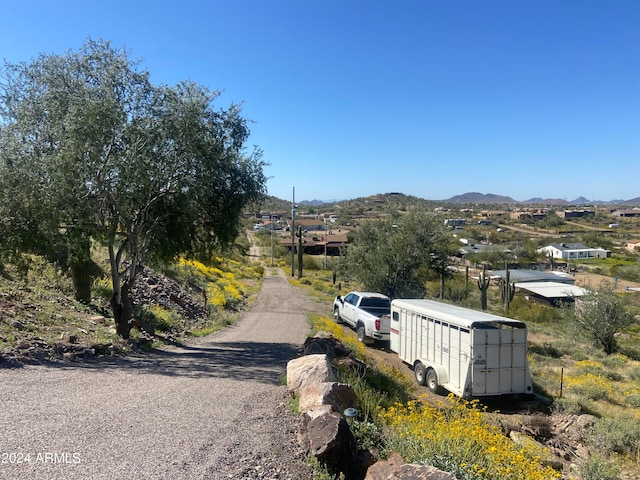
<point>350,98</point>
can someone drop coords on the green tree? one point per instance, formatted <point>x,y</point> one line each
<point>147,170</point>
<point>395,256</point>
<point>601,314</point>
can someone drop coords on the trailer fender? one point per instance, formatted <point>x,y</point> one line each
<point>441,372</point>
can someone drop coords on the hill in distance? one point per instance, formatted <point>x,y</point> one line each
<point>494,199</point>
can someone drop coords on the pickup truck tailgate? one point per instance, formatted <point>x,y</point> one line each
<point>385,323</point>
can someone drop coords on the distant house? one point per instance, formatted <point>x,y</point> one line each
<point>633,246</point>
<point>574,251</point>
<point>528,215</point>
<point>454,222</point>
<point>311,225</point>
<point>315,245</point>
<point>627,213</point>
<point>575,213</point>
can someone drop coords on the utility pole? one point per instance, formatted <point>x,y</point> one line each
<point>293,231</point>
<point>271,216</point>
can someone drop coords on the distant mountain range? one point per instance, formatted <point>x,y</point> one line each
<point>490,198</point>
<point>493,199</point>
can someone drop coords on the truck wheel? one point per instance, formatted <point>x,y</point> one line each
<point>432,381</point>
<point>419,373</point>
<point>361,333</point>
<point>336,316</point>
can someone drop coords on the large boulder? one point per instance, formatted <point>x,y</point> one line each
<point>395,469</point>
<point>329,439</point>
<point>308,370</point>
<point>339,395</point>
<point>323,343</point>
<point>305,418</point>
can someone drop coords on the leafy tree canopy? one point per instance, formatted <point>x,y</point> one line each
<point>90,147</point>
<point>395,256</point>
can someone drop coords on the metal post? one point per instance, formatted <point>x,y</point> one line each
<point>271,221</point>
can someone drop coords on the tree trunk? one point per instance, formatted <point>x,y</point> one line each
<point>122,311</point>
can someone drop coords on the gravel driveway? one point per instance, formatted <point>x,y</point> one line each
<point>215,408</point>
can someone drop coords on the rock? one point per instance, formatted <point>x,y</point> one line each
<point>339,395</point>
<point>332,443</point>
<point>305,418</point>
<point>329,346</point>
<point>385,469</point>
<point>546,455</point>
<point>585,420</point>
<point>18,325</point>
<point>395,469</point>
<point>308,370</point>
<point>70,356</point>
<point>102,348</point>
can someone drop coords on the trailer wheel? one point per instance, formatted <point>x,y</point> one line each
<point>336,316</point>
<point>419,373</point>
<point>432,381</point>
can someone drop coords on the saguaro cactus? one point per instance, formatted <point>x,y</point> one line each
<point>483,285</point>
<point>507,289</point>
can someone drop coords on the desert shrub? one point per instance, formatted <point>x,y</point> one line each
<point>590,386</point>
<point>634,373</point>
<point>619,434</point>
<point>368,435</point>
<point>567,405</point>
<point>102,288</point>
<point>596,468</point>
<point>159,318</point>
<point>632,397</point>
<point>528,311</point>
<point>593,367</point>
<point>311,263</point>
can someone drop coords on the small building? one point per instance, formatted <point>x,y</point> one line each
<point>310,225</point>
<point>575,213</point>
<point>552,293</point>
<point>316,245</point>
<point>574,251</point>
<point>633,246</point>
<point>454,222</point>
<point>533,276</point>
<point>626,213</point>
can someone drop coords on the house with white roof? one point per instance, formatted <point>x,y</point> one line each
<point>574,251</point>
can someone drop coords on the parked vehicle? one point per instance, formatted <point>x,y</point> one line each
<point>467,352</point>
<point>366,312</point>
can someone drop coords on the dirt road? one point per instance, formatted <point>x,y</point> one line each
<point>211,409</point>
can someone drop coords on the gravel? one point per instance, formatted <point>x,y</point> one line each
<point>215,408</point>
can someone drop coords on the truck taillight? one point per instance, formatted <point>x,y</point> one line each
<point>377,324</point>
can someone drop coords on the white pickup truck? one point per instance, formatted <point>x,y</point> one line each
<point>367,312</point>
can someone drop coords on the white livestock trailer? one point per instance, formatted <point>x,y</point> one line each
<point>468,352</point>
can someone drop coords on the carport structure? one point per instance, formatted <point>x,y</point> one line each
<point>552,293</point>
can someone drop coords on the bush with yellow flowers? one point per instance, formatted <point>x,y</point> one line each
<point>220,281</point>
<point>452,434</point>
